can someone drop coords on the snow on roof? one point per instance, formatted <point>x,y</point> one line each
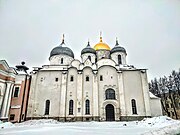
<point>152,95</point>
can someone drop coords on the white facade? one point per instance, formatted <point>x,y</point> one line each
<point>100,89</point>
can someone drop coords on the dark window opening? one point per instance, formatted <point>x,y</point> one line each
<point>89,57</point>
<point>71,107</point>
<point>56,79</point>
<point>16,92</point>
<point>12,116</point>
<point>134,109</point>
<point>79,109</point>
<point>110,94</point>
<point>61,60</point>
<point>87,111</point>
<point>87,78</point>
<point>71,78</point>
<point>47,106</point>
<point>101,78</point>
<point>119,59</point>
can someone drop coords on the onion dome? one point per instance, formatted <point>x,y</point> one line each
<point>88,49</point>
<point>101,46</point>
<point>62,50</point>
<point>117,48</point>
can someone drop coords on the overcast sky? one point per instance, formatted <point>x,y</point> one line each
<point>149,30</point>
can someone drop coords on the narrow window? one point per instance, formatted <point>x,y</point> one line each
<point>110,94</point>
<point>71,107</point>
<point>79,110</point>
<point>56,79</point>
<point>47,105</point>
<point>16,92</point>
<point>134,110</point>
<point>101,78</point>
<point>87,111</point>
<point>71,78</point>
<point>87,78</point>
<point>119,59</point>
<point>89,57</point>
<point>61,60</point>
<point>12,116</point>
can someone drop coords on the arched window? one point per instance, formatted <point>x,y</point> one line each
<point>101,78</point>
<point>89,57</point>
<point>119,59</point>
<point>87,78</point>
<point>87,111</point>
<point>47,105</point>
<point>71,78</point>
<point>110,94</point>
<point>134,109</point>
<point>71,107</point>
<point>61,60</point>
<point>16,92</point>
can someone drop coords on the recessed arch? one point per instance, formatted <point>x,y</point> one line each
<point>47,106</point>
<point>110,115</point>
<point>110,94</point>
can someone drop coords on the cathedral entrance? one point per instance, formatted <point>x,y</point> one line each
<point>110,113</point>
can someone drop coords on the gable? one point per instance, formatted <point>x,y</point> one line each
<point>3,65</point>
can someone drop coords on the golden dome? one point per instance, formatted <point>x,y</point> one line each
<point>101,46</point>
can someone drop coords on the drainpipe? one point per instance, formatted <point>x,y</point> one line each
<point>22,105</point>
<point>27,97</point>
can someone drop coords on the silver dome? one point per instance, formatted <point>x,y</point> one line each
<point>117,48</point>
<point>88,49</point>
<point>62,50</point>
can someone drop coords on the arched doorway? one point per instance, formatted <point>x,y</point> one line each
<point>110,113</point>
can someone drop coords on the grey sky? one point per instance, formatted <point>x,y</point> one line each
<point>148,29</point>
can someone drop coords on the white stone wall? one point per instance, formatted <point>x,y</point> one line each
<point>56,60</point>
<point>110,80</point>
<point>114,56</point>
<point>72,91</point>
<point>44,87</point>
<point>84,57</point>
<point>156,108</point>
<point>87,90</point>
<point>133,90</point>
<point>107,62</point>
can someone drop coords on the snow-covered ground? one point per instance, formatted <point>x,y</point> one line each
<point>151,126</point>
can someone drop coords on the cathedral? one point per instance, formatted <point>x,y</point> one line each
<point>100,87</point>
